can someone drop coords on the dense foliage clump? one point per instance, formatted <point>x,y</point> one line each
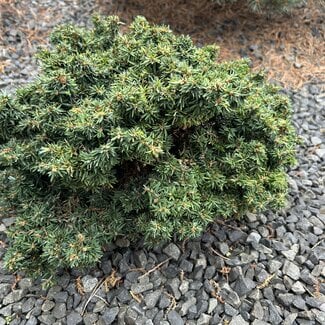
<point>140,134</point>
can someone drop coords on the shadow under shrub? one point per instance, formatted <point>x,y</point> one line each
<point>140,134</point>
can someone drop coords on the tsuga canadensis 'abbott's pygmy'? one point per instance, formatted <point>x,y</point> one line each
<point>139,134</point>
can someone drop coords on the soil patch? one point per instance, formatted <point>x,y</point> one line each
<point>290,48</point>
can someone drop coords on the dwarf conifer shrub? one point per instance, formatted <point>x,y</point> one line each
<point>140,134</point>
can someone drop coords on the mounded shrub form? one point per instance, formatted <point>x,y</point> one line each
<point>139,134</point>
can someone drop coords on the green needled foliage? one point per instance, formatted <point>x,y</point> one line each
<point>140,134</point>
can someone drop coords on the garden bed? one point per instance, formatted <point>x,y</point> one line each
<point>265,269</point>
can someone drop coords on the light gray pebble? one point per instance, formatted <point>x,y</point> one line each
<point>151,299</point>
<point>319,316</point>
<point>89,283</point>
<point>184,287</point>
<point>171,271</point>
<point>140,259</point>
<point>3,228</point>
<point>316,222</point>
<point>173,287</point>
<point>230,310</point>
<point>299,303</point>
<point>132,276</point>
<point>251,217</point>
<point>172,251</point>
<point>198,273</point>
<point>201,307</point>
<point>223,248</point>
<point>59,310</point>
<point>312,302</point>
<point>31,321</point>
<point>141,287</point>
<point>213,303</point>
<point>4,289</point>
<point>13,296</point>
<point>293,184</point>
<point>109,315</point>
<point>263,249</point>
<point>159,316</point>
<point>75,318</point>
<point>316,141</point>
<point>268,293</point>
<point>99,306</point>
<point>123,295</point>
<point>314,89</point>
<point>47,319</point>
<point>130,317</point>
<point>254,237</point>
<point>210,272</point>
<point>201,261</point>
<point>25,283</point>
<point>320,152</point>
<point>231,297</point>
<point>174,318</point>
<point>36,311</point>
<point>261,275</point>
<point>236,235</point>
<point>260,322</point>
<point>151,313</point>
<point>61,296</point>
<point>76,300</point>
<point>317,231</point>
<point>196,285</point>
<point>274,315</point>
<point>164,302</point>
<point>279,246</point>
<point>186,266</point>
<point>307,314</point>
<point>255,294</point>
<point>186,305</point>
<point>291,269</point>
<point>28,305</point>
<point>243,286</point>
<point>16,308</point>
<point>8,221</point>
<point>238,320</point>
<point>289,320</point>
<point>319,270</point>
<point>204,319</point>
<point>6,311</point>
<point>258,310</point>
<point>235,273</point>
<point>298,288</point>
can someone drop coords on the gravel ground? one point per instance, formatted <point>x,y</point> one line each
<point>266,269</point>
<point>24,27</point>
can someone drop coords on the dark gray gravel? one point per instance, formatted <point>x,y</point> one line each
<point>266,269</point>
<point>24,27</point>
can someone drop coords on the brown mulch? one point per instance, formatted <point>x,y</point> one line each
<point>290,48</point>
